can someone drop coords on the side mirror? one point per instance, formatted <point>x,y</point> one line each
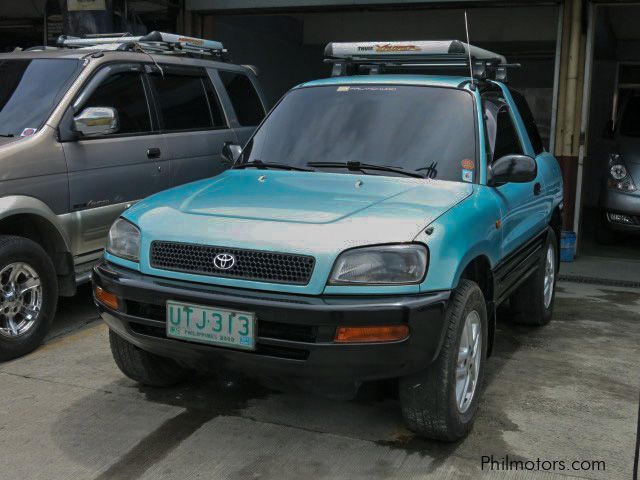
<point>230,153</point>
<point>93,121</point>
<point>512,169</point>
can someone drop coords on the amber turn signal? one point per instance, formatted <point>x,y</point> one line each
<point>106,298</point>
<point>391,333</point>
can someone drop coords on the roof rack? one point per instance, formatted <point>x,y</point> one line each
<point>154,42</point>
<point>377,57</point>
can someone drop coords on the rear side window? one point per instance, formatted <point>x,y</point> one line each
<point>186,102</point>
<point>244,98</point>
<point>529,121</point>
<point>124,92</point>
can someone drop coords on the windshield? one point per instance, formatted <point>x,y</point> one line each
<point>28,91</point>
<point>429,130</point>
<point>630,122</point>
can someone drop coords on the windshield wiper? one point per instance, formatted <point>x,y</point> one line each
<point>265,165</point>
<point>359,167</point>
<point>7,135</point>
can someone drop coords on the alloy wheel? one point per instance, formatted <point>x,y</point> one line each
<point>469,358</point>
<point>549,275</point>
<point>20,299</point>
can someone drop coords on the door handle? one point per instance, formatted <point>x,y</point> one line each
<point>153,152</point>
<point>537,189</point>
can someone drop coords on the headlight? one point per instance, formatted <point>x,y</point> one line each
<point>124,240</point>
<point>619,178</point>
<point>381,265</point>
<point>618,171</point>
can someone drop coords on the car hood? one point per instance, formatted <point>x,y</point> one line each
<point>629,148</point>
<point>319,214</point>
<point>7,140</point>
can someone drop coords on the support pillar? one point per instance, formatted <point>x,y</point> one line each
<point>570,105</point>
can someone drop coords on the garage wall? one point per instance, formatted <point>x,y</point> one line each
<point>288,48</point>
<point>273,43</point>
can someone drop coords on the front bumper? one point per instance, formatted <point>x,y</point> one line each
<point>294,332</point>
<point>628,204</point>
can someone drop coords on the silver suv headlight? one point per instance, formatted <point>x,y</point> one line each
<point>124,240</point>
<point>381,265</point>
<point>619,178</point>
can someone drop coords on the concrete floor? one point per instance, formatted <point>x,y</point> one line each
<point>568,391</point>
<point>610,271</point>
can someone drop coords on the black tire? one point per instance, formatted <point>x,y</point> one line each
<point>428,398</point>
<point>144,367</point>
<point>528,301</point>
<point>14,250</point>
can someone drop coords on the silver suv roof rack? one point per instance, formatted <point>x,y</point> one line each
<point>379,57</point>
<point>154,42</point>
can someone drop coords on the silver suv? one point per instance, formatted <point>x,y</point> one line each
<point>84,134</point>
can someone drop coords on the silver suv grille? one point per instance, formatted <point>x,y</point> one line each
<point>255,265</point>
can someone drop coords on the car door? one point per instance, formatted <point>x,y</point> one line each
<point>244,106</point>
<point>192,122</point>
<point>108,173</point>
<point>520,210</point>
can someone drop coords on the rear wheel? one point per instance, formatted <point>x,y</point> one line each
<point>532,302</point>
<point>441,401</point>
<point>28,296</point>
<point>144,367</point>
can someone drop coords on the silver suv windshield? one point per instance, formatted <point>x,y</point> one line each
<point>417,129</point>
<point>29,90</point>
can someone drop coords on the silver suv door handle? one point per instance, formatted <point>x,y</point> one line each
<point>153,152</point>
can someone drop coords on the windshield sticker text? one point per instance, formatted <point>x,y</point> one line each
<point>365,89</point>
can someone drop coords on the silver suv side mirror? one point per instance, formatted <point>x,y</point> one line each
<point>230,153</point>
<point>94,121</point>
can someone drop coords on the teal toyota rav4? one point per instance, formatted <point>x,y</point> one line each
<point>368,230</point>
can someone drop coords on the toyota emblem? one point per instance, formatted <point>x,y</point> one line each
<point>224,261</point>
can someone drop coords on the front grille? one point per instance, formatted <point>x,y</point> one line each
<point>253,265</point>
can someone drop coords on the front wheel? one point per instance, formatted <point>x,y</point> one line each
<point>145,367</point>
<point>532,302</point>
<point>441,401</point>
<point>28,296</point>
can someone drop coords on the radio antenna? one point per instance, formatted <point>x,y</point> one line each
<point>466,27</point>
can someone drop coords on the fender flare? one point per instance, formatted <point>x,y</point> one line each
<point>13,205</point>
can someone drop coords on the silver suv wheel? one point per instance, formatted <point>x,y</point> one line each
<point>549,275</point>
<point>20,299</point>
<point>469,358</point>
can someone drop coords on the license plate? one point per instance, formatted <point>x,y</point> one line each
<point>211,325</point>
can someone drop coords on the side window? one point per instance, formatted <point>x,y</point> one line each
<point>244,98</point>
<point>529,121</point>
<point>124,92</point>
<point>186,102</point>
<point>507,141</point>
